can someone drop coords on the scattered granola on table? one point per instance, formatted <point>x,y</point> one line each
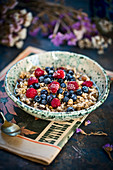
<point>56,90</point>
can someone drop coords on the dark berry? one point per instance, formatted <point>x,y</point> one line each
<point>31,86</point>
<point>53,95</point>
<point>74,97</point>
<point>60,91</point>
<point>52,68</point>
<point>41,79</point>
<point>47,69</point>
<point>51,72</point>
<point>49,98</point>
<point>66,93</point>
<point>44,91</point>
<point>37,99</point>
<point>44,102</point>
<point>65,99</point>
<point>60,80</point>
<point>47,80</point>
<point>71,92</point>
<point>36,85</point>
<point>79,92</point>
<point>66,77</point>
<point>71,72</point>
<point>63,85</point>
<point>73,79</point>
<point>43,96</point>
<point>85,89</point>
<point>70,109</point>
<point>50,76</point>
<point>45,76</point>
<point>70,77</point>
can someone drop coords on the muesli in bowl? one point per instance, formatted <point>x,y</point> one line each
<point>56,89</point>
<point>57,85</point>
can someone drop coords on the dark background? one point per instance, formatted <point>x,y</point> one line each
<point>90,154</point>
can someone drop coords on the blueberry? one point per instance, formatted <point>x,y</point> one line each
<point>47,69</point>
<point>66,93</point>
<point>37,99</point>
<point>60,91</point>
<point>70,109</point>
<point>63,85</point>
<point>41,79</point>
<point>79,92</point>
<point>51,72</point>
<point>44,102</point>
<point>73,79</point>
<point>71,92</point>
<point>65,99</point>
<point>53,95</point>
<point>85,89</point>
<point>47,80</point>
<point>36,85</point>
<point>49,98</point>
<point>31,86</point>
<point>52,68</point>
<point>60,81</point>
<point>43,96</point>
<point>66,78</point>
<point>71,72</point>
<point>70,77</point>
<point>45,76</point>
<point>74,97</point>
<point>44,91</point>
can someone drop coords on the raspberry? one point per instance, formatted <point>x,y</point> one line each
<point>31,93</point>
<point>32,80</point>
<point>59,74</point>
<point>55,103</point>
<point>87,83</point>
<point>72,85</point>
<point>54,86</point>
<point>39,72</point>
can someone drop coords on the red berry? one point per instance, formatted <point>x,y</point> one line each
<point>31,93</point>
<point>32,80</point>
<point>72,85</point>
<point>60,68</point>
<point>87,83</point>
<point>59,74</point>
<point>55,103</point>
<point>39,72</point>
<point>54,86</point>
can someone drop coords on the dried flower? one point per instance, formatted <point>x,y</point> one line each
<point>87,122</point>
<point>78,130</point>
<point>108,148</point>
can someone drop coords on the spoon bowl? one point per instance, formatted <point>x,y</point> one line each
<point>9,128</point>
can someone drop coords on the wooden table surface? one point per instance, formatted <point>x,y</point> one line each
<point>81,152</point>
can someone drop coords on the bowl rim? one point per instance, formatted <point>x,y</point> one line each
<point>73,114</point>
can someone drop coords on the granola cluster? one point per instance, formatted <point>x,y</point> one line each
<point>56,90</point>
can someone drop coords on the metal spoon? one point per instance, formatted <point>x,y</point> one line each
<point>8,128</point>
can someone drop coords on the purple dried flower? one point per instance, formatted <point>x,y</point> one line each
<point>72,41</point>
<point>53,23</point>
<point>108,147</point>
<point>35,19</point>
<point>87,122</point>
<point>78,130</point>
<point>34,31</point>
<point>76,25</point>
<point>58,39</point>
<point>69,36</point>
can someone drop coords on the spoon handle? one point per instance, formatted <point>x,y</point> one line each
<point>3,117</point>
